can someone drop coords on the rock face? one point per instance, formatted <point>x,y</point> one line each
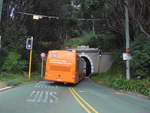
<point>2,85</point>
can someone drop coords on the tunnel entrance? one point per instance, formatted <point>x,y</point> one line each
<point>88,65</point>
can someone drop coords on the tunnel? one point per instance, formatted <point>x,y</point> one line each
<point>88,65</point>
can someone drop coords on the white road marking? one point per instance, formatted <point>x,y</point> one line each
<point>33,98</point>
<point>46,97</point>
<point>1,89</point>
<point>43,97</point>
<point>37,85</point>
<point>32,93</point>
<point>53,94</point>
<point>40,97</point>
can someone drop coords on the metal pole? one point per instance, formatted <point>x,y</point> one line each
<point>127,39</point>
<point>42,65</point>
<point>0,41</point>
<point>1,6</point>
<point>30,64</point>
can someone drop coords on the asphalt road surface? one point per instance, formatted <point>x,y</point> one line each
<point>85,97</point>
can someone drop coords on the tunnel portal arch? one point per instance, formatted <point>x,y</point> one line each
<point>89,63</point>
<point>96,60</point>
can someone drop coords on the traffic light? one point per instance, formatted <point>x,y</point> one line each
<point>29,43</point>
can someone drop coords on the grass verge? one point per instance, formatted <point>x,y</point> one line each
<point>117,81</point>
<point>17,79</point>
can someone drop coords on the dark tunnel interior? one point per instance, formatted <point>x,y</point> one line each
<point>88,66</point>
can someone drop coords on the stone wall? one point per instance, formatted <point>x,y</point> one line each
<point>105,62</point>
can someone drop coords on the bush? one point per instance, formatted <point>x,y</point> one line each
<point>116,81</point>
<point>101,41</point>
<point>13,63</point>
<point>117,57</point>
<point>16,79</point>
<point>3,53</point>
<point>141,57</point>
<point>83,40</point>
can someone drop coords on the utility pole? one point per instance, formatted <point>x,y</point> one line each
<point>127,39</point>
<point>1,5</point>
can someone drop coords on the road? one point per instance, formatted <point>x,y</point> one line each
<point>85,97</point>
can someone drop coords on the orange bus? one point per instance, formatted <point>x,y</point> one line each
<point>64,66</point>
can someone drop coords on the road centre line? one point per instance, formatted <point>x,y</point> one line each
<point>85,102</point>
<point>80,103</point>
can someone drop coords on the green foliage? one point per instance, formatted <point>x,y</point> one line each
<point>17,79</point>
<point>116,81</point>
<point>84,40</point>
<point>88,3</point>
<point>14,35</point>
<point>141,57</point>
<point>13,83</point>
<point>3,53</point>
<point>117,57</point>
<point>101,41</point>
<point>13,63</point>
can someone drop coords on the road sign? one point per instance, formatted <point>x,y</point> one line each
<point>126,56</point>
<point>29,43</point>
<point>43,55</point>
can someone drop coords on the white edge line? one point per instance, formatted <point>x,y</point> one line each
<point>1,89</point>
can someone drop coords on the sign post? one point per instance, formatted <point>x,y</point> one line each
<point>29,45</point>
<point>0,41</point>
<point>43,56</point>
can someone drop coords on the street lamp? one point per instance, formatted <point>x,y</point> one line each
<point>37,17</point>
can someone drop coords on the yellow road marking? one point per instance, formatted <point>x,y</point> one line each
<point>79,101</point>
<point>84,101</point>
